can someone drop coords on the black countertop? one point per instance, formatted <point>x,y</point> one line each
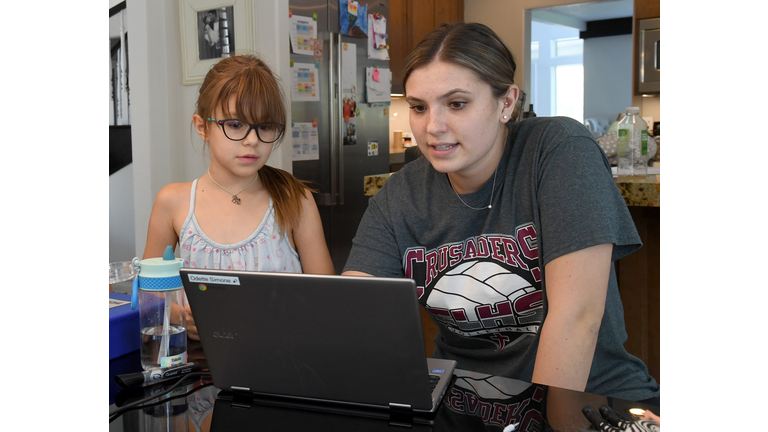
<point>474,402</point>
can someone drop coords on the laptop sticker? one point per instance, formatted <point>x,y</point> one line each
<point>223,280</point>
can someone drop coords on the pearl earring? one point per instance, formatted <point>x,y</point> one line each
<point>505,117</point>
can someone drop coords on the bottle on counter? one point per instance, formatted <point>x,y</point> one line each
<point>530,113</point>
<point>159,295</point>
<point>632,155</point>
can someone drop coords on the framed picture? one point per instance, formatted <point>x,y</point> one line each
<point>211,30</point>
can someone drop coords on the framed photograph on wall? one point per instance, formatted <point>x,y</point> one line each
<point>211,30</point>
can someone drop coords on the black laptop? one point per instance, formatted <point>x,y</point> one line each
<point>341,343</point>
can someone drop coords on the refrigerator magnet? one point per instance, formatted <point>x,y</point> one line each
<point>373,148</point>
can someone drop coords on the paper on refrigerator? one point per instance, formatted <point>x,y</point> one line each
<point>304,82</point>
<point>305,144</point>
<point>303,35</point>
<point>378,84</point>
<point>377,37</point>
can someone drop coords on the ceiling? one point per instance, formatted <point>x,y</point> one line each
<point>577,15</point>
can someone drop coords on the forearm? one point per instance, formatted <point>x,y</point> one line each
<point>576,285</point>
<point>565,352</point>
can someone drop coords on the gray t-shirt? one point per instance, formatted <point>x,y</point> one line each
<point>480,273</point>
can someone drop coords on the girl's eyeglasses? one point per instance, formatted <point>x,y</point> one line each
<point>237,131</point>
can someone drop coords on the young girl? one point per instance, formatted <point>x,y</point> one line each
<point>509,229</point>
<point>242,214</point>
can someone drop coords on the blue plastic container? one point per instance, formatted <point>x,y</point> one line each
<point>124,336</point>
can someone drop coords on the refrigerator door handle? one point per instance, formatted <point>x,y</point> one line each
<point>339,110</point>
<point>333,114</point>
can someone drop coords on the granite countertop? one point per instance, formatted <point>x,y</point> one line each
<point>641,191</point>
<point>374,182</point>
<point>637,191</point>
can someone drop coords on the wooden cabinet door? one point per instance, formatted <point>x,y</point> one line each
<point>409,22</point>
<point>448,11</point>
<point>647,9</point>
<point>399,44</point>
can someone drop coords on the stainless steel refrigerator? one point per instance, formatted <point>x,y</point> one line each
<point>344,158</point>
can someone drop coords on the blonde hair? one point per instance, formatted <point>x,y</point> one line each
<point>258,99</point>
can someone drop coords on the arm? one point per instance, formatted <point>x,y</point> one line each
<point>577,286</point>
<point>309,240</point>
<point>161,231</point>
<point>355,273</point>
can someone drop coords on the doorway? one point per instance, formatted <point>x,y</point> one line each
<point>580,60</point>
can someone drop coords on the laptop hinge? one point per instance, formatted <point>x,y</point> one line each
<point>241,397</point>
<point>400,414</point>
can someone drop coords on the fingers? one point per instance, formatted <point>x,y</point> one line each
<point>648,415</point>
<point>192,332</point>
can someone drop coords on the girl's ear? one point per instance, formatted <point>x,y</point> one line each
<point>199,123</point>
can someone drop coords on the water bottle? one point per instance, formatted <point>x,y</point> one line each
<point>632,155</point>
<point>160,298</point>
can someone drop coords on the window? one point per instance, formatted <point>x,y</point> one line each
<point>557,72</point>
<point>569,91</point>
<point>568,47</point>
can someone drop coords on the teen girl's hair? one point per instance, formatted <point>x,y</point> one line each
<point>471,45</point>
<point>258,99</point>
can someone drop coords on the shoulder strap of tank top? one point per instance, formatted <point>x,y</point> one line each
<point>192,199</point>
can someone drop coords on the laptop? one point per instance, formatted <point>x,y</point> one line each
<point>339,343</point>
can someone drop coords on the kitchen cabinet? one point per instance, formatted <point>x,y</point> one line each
<point>409,22</point>
<point>647,9</point>
<point>644,9</point>
<point>639,278</point>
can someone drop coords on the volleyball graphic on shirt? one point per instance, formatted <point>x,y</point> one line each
<point>482,297</point>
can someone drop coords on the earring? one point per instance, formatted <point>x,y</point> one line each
<point>505,117</point>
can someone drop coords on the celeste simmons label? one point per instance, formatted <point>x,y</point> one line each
<point>223,280</point>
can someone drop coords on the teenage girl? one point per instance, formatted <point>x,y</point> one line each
<point>509,229</point>
<point>242,214</point>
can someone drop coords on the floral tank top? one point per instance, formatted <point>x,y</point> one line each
<point>264,250</point>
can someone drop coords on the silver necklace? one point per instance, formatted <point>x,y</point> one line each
<point>492,188</point>
<point>235,199</point>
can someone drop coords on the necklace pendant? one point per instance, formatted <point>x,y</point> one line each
<point>235,199</point>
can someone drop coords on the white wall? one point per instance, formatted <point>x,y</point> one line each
<point>122,246</point>
<point>165,149</point>
<point>607,76</point>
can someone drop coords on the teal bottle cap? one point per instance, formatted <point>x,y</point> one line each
<point>167,266</point>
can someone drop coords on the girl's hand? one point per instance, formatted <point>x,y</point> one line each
<point>191,327</point>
